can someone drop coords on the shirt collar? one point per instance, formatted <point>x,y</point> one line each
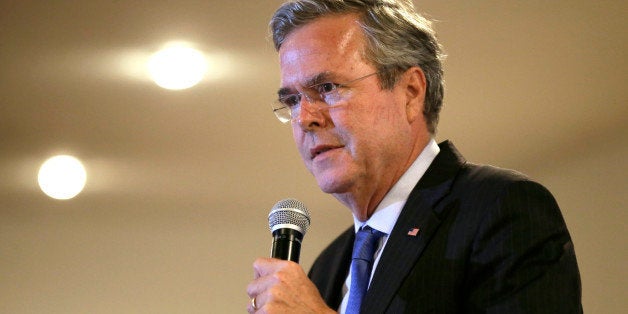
<point>388,210</point>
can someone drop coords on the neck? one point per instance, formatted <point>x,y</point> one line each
<point>363,200</point>
<point>362,205</point>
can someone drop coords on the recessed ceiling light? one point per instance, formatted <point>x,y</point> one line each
<point>62,177</point>
<point>177,67</point>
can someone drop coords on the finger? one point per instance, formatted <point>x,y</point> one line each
<point>259,286</point>
<point>254,288</point>
<point>258,266</point>
<point>264,266</point>
<point>252,306</point>
<point>256,285</point>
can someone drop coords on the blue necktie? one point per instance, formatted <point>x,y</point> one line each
<point>364,249</point>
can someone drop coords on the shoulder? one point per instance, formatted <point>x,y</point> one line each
<point>494,184</point>
<point>490,175</point>
<point>507,208</point>
<point>491,198</point>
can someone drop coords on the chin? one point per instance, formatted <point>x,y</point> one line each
<point>332,185</point>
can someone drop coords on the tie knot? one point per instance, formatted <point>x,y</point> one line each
<point>365,243</point>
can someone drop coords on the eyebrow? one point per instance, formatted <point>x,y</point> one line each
<point>314,80</point>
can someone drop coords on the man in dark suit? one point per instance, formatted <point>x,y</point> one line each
<point>362,87</point>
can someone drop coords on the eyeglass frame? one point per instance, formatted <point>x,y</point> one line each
<point>283,109</point>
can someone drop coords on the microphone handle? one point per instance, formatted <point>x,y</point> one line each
<point>286,244</point>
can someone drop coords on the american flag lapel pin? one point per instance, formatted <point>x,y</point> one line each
<point>413,232</point>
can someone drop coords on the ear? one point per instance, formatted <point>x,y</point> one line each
<point>415,86</point>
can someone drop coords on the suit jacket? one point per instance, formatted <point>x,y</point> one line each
<point>489,241</point>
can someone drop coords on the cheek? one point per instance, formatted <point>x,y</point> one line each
<point>378,108</point>
<point>296,134</point>
<point>358,136</point>
<point>299,138</point>
<point>373,119</point>
<point>374,128</point>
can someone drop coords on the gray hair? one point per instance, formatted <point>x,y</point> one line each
<point>398,38</point>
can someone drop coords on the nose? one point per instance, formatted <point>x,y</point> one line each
<point>310,115</point>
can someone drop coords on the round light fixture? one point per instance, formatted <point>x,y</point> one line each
<point>62,177</point>
<point>177,67</point>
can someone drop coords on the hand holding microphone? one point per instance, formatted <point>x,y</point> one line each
<point>280,285</point>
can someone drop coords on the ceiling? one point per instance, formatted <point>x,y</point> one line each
<point>180,182</point>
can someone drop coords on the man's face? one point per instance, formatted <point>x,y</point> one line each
<point>362,143</point>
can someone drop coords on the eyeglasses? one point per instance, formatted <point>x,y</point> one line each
<point>323,96</point>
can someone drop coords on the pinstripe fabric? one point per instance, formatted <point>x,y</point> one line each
<point>490,241</point>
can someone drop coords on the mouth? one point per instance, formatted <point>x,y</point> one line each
<point>321,149</point>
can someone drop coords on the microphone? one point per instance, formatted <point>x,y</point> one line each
<point>288,221</point>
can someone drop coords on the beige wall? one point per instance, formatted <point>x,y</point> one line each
<point>180,183</point>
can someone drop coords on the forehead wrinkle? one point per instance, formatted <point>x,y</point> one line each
<point>294,54</point>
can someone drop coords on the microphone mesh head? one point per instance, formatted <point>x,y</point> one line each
<point>289,213</point>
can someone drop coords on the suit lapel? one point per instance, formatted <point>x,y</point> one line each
<point>330,287</point>
<point>406,243</point>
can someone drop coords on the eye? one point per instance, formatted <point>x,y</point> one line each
<point>290,100</point>
<point>326,87</point>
